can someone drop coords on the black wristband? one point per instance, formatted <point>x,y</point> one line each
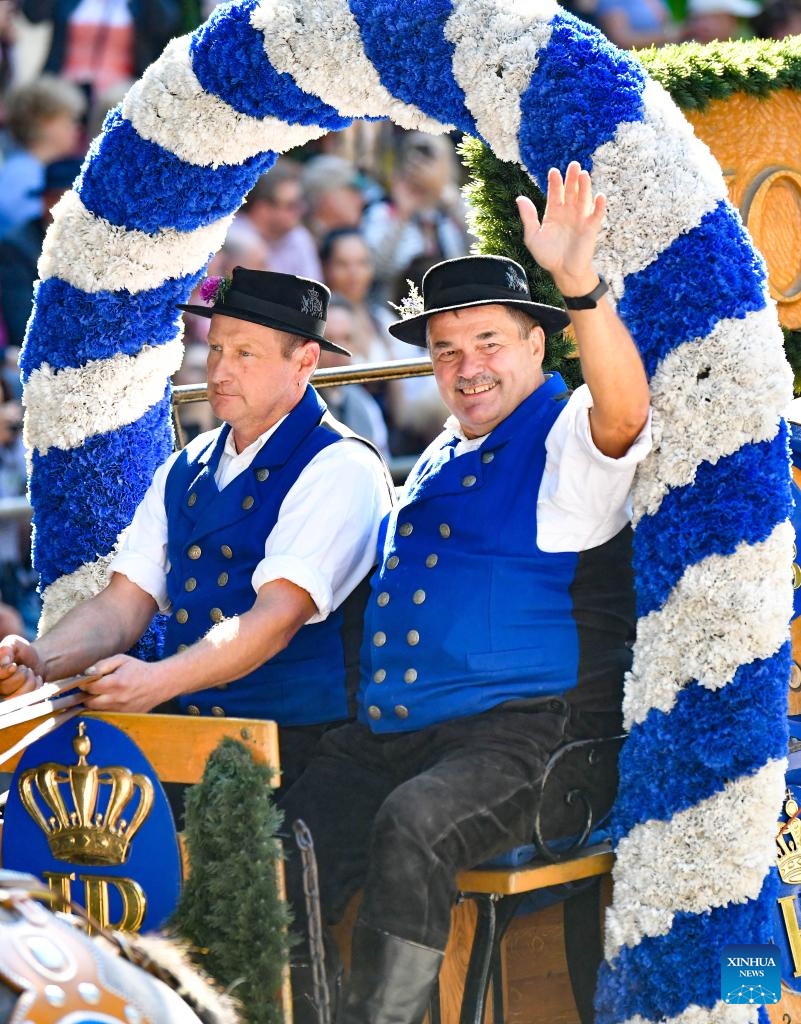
<point>588,301</point>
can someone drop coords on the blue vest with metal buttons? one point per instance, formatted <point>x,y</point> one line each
<point>216,539</point>
<point>466,612</point>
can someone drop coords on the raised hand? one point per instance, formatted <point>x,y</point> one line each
<point>564,242</point>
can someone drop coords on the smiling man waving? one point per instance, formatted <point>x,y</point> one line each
<point>502,612</point>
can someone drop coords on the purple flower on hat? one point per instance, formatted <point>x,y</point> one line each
<point>214,288</point>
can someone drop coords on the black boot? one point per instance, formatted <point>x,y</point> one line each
<point>390,980</point>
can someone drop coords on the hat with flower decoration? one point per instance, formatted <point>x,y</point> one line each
<point>298,305</point>
<point>471,281</point>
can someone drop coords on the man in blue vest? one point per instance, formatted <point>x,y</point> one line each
<point>501,615</point>
<point>255,538</point>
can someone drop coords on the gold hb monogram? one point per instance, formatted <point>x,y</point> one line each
<point>787,904</point>
<point>95,891</point>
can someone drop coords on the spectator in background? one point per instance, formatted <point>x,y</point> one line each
<point>10,620</point>
<point>348,269</point>
<point>43,120</point>
<point>710,20</point>
<point>8,37</point>
<point>424,215</point>
<point>102,102</point>
<point>273,211</point>
<point>418,411</point>
<point>351,404</point>
<point>630,23</point>
<point>333,194</point>
<point>778,19</point>
<point>9,371</point>
<point>584,9</point>
<point>98,43</point>
<point>21,247</point>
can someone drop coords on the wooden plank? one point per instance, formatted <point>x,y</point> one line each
<point>454,966</point>
<point>537,986</point>
<point>535,980</point>
<point>178,746</point>
<point>509,881</point>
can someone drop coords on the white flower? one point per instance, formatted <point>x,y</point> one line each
<point>411,305</point>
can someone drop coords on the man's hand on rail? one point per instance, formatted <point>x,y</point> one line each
<point>122,683</point>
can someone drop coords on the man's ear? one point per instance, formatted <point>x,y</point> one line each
<point>309,357</point>
<point>537,339</point>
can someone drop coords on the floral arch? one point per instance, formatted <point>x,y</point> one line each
<point>702,774</point>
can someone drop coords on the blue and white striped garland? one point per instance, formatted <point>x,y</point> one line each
<point>702,774</point>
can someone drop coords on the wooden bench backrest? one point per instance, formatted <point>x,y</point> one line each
<point>178,746</point>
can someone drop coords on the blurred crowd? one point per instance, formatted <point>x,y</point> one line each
<point>640,23</point>
<point>366,210</point>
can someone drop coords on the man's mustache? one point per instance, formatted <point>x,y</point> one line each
<point>476,382</point>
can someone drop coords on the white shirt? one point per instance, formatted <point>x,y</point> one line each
<point>584,495</point>
<point>324,540</point>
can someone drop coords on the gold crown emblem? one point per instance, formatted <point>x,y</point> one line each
<point>92,830</point>
<point>788,843</point>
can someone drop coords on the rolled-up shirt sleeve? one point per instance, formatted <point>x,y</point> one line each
<point>325,537</point>
<point>583,499</point>
<point>142,552</point>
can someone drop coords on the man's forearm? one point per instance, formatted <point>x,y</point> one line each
<point>564,244</point>
<point>614,373</point>
<point>77,640</point>
<point>238,645</point>
<point>106,624</point>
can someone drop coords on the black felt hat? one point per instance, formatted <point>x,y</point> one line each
<point>475,281</point>
<point>298,305</point>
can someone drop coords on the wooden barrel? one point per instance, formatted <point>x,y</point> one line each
<point>757,142</point>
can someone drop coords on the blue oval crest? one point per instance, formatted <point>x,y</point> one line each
<point>87,813</point>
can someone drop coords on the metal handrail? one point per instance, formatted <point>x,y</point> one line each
<point>333,376</point>
<point>366,373</point>
<point>12,509</point>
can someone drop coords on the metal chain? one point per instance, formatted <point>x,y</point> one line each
<point>311,892</point>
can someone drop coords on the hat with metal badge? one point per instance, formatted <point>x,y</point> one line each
<point>472,281</point>
<point>298,305</point>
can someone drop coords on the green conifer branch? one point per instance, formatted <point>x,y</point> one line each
<point>694,74</point>
<point>229,908</point>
